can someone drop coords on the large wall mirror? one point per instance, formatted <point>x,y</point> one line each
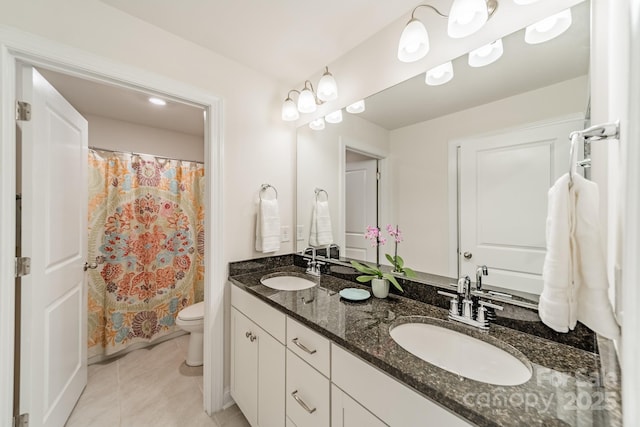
<point>462,168</point>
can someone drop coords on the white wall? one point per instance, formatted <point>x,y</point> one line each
<point>419,158</point>
<point>123,136</point>
<point>319,154</point>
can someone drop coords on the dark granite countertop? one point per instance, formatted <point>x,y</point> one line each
<point>568,387</point>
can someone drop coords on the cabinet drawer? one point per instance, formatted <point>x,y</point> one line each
<point>391,401</point>
<point>309,345</point>
<point>307,394</point>
<point>267,317</point>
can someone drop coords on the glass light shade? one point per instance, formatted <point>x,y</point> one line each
<point>306,101</point>
<point>548,28</point>
<point>414,42</point>
<point>440,74</point>
<point>356,107</point>
<point>486,54</point>
<point>521,2</point>
<point>327,87</point>
<point>466,17</point>
<point>335,117</point>
<point>317,124</point>
<point>289,110</point>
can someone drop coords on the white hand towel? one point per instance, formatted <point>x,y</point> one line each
<point>320,233</point>
<point>268,226</point>
<point>574,272</point>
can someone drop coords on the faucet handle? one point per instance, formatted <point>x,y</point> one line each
<point>448,294</point>
<point>490,304</point>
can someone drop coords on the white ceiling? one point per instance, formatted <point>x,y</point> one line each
<point>286,39</point>
<point>128,105</point>
<point>522,68</point>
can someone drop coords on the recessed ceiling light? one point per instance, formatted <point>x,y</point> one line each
<point>157,101</point>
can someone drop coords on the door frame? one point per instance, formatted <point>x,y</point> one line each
<point>38,51</point>
<point>452,186</point>
<point>346,143</point>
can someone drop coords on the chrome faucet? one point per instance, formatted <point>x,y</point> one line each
<point>481,320</point>
<point>313,266</point>
<point>481,271</point>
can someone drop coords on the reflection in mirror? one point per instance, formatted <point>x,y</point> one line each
<point>415,134</point>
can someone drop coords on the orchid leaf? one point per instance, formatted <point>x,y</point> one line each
<point>363,279</point>
<point>399,262</point>
<point>366,269</point>
<point>393,280</point>
<point>409,272</point>
<point>390,259</point>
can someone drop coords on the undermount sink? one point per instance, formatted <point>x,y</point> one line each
<point>287,282</point>
<point>461,354</point>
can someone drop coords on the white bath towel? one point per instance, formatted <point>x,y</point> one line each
<point>268,226</point>
<point>574,272</point>
<point>320,232</point>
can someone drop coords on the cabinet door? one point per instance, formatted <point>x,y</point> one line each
<point>271,381</point>
<point>346,412</point>
<point>244,365</point>
<point>307,394</point>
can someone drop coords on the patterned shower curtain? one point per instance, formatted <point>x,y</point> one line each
<point>146,233</point>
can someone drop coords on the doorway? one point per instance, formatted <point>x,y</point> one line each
<point>361,204</point>
<point>16,47</point>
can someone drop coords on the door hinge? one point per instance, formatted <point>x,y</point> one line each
<point>378,176</point>
<point>23,111</point>
<point>23,266</point>
<point>21,420</point>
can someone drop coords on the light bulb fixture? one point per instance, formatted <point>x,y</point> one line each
<point>468,16</point>
<point>335,117</point>
<point>548,28</point>
<point>439,75</point>
<point>414,40</point>
<point>327,87</point>
<point>317,124</point>
<point>157,101</point>
<point>308,99</point>
<point>357,107</point>
<point>486,54</point>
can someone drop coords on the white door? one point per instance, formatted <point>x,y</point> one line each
<point>53,358</point>
<point>361,199</point>
<point>504,180</point>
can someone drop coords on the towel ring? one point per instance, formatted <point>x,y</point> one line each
<point>265,187</point>
<point>320,190</point>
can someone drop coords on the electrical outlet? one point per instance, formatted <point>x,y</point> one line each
<point>300,232</point>
<point>284,233</point>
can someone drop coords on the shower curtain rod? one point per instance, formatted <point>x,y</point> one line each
<point>144,154</point>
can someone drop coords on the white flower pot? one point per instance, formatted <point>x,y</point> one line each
<point>380,288</point>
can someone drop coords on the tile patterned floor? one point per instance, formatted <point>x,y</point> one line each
<point>149,387</point>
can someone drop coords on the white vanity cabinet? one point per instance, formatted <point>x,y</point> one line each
<point>346,412</point>
<point>257,360</point>
<point>389,400</point>
<point>308,386</point>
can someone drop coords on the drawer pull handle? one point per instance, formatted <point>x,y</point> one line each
<point>302,346</point>
<point>301,402</point>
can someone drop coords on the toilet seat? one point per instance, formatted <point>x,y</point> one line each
<point>192,313</point>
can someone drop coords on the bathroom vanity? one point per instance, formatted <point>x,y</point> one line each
<point>312,358</point>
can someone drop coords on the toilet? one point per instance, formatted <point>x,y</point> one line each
<point>191,319</point>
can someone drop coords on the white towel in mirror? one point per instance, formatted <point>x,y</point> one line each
<point>320,232</point>
<point>268,226</point>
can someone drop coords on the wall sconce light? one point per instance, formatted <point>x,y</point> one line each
<point>465,18</point>
<point>486,54</point>
<point>414,40</point>
<point>308,100</point>
<point>357,107</point>
<point>439,75</point>
<point>548,28</point>
<point>335,117</point>
<point>317,124</point>
<point>468,16</point>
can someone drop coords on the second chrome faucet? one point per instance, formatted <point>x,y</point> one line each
<point>473,312</point>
